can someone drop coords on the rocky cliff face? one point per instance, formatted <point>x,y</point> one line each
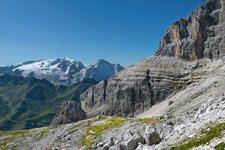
<point>140,86</point>
<point>70,111</point>
<point>200,35</point>
<point>152,80</point>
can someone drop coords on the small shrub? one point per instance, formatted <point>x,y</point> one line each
<point>148,120</point>
<point>220,146</point>
<point>198,141</point>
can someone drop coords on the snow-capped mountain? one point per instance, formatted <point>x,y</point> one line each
<point>98,71</point>
<point>63,71</point>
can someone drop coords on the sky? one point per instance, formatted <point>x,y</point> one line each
<point>119,31</point>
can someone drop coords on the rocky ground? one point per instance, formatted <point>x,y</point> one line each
<point>192,118</point>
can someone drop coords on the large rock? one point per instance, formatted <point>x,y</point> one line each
<point>201,34</point>
<point>132,140</point>
<point>129,141</point>
<point>70,111</point>
<point>151,136</point>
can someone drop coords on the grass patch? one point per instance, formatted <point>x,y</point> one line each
<point>23,132</point>
<point>9,136</point>
<point>14,133</point>
<point>39,131</point>
<point>76,127</point>
<point>94,131</point>
<point>220,146</point>
<point>195,142</point>
<point>4,142</point>
<point>148,120</point>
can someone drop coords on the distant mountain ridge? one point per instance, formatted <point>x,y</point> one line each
<point>29,102</point>
<point>31,92</point>
<point>64,71</point>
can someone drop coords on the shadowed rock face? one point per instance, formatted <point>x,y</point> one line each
<point>200,35</point>
<point>140,86</point>
<point>70,111</point>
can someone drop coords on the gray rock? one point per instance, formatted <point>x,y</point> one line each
<point>118,147</point>
<point>200,35</point>
<point>132,140</point>
<point>101,144</point>
<point>151,136</point>
<point>83,148</point>
<point>170,123</point>
<point>133,91</point>
<point>171,102</point>
<point>105,145</point>
<point>70,111</point>
<point>152,80</point>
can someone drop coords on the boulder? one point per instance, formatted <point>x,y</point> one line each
<point>131,140</point>
<point>171,102</point>
<point>70,111</point>
<point>118,147</point>
<point>105,145</point>
<point>151,136</point>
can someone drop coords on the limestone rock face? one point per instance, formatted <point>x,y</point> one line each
<point>140,86</point>
<point>200,35</point>
<point>70,111</point>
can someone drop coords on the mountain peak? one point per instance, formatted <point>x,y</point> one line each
<point>102,61</point>
<point>69,59</point>
<point>63,71</point>
<point>200,35</point>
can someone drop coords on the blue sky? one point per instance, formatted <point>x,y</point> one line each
<point>120,31</point>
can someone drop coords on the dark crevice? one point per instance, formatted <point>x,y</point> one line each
<point>140,97</point>
<point>148,78</point>
<point>105,86</point>
<point>132,90</point>
<point>93,95</point>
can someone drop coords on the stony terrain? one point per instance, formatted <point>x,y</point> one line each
<point>193,115</point>
<point>140,86</point>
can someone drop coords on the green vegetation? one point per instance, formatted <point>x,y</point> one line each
<point>148,120</point>
<point>27,103</point>
<point>95,131</point>
<point>220,146</point>
<point>87,124</point>
<point>4,142</point>
<point>13,133</point>
<point>23,132</point>
<point>9,136</point>
<point>209,135</point>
